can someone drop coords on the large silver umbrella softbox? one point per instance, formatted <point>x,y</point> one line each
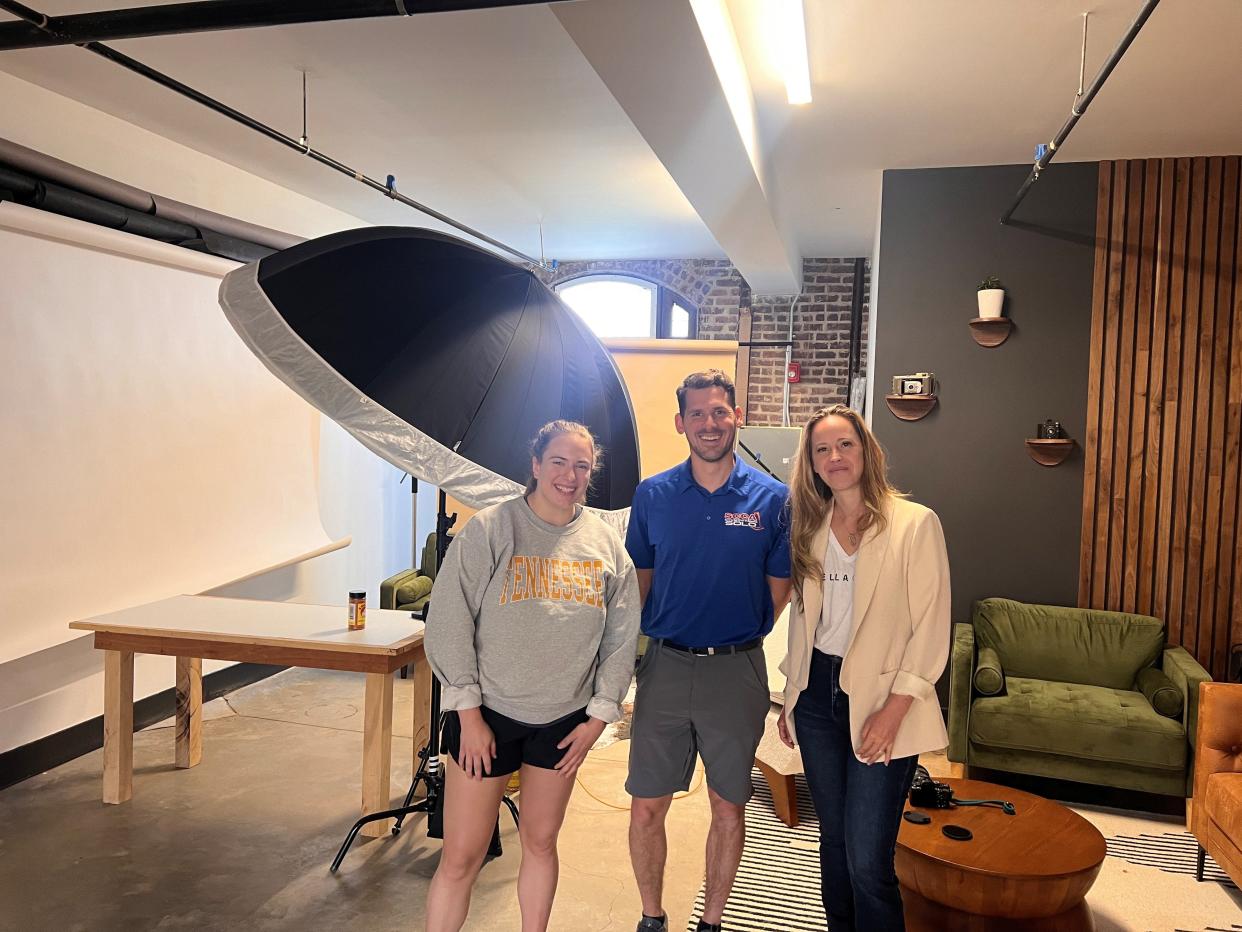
<point>439,356</point>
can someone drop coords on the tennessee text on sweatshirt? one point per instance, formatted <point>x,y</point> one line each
<point>534,620</point>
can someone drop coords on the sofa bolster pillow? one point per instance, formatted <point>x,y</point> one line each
<point>989,677</point>
<point>413,589</point>
<point>1164,697</point>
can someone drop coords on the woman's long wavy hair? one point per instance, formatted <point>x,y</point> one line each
<point>810,497</point>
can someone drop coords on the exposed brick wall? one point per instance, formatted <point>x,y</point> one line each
<point>821,323</point>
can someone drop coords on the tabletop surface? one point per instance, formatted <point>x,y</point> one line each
<point>1044,838</point>
<point>248,621</point>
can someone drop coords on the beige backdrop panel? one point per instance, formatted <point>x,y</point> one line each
<point>652,370</point>
<point>148,452</point>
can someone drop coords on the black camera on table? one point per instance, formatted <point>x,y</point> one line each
<point>918,383</point>
<point>928,793</point>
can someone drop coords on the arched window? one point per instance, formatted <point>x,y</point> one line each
<point>624,306</point>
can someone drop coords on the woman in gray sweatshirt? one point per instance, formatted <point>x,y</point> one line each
<point>532,633</point>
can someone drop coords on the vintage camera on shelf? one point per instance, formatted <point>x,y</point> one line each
<point>920,383</point>
<point>1049,430</point>
<point>928,793</point>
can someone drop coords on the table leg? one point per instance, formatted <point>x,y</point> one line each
<point>784,793</point>
<point>422,705</point>
<point>189,711</point>
<point>118,777</point>
<point>377,752</point>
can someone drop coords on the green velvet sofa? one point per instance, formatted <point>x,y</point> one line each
<point>410,590</point>
<point>1073,694</point>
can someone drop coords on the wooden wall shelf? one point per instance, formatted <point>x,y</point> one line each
<point>910,407</point>
<point>990,331</point>
<point>1050,452</point>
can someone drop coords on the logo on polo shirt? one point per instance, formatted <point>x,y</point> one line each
<point>741,519</point>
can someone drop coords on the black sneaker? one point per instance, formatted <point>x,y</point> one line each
<point>707,927</point>
<point>648,924</point>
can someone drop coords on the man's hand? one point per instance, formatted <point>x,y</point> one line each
<point>782,729</point>
<point>578,741</point>
<point>478,744</point>
<point>880,729</point>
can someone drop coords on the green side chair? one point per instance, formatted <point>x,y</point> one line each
<point>1074,694</point>
<point>410,590</point>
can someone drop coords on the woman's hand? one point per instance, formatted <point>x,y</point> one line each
<point>782,729</point>
<point>478,744</point>
<point>578,741</point>
<point>880,729</point>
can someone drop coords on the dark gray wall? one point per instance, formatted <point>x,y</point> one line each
<point>1012,525</point>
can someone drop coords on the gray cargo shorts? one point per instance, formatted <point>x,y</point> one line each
<point>687,704</point>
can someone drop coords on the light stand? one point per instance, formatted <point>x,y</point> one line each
<point>429,772</point>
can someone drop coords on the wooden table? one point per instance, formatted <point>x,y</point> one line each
<point>1024,872</point>
<point>191,628</point>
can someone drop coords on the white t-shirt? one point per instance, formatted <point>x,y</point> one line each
<point>832,634</point>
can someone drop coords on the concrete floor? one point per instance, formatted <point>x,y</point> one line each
<point>244,840</point>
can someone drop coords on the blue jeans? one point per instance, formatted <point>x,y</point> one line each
<point>859,807</point>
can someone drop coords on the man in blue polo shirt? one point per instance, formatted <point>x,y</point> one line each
<point>710,545</point>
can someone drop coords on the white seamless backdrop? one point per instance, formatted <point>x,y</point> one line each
<point>149,453</point>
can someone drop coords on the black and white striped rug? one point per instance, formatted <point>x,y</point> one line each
<point>777,886</point>
<point>1172,852</point>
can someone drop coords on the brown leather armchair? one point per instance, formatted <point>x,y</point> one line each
<point>1216,811</point>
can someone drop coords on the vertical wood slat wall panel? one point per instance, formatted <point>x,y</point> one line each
<point>1162,485</point>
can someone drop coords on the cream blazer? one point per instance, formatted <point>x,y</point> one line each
<point>899,631</point>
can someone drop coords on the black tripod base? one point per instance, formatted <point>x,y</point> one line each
<point>432,805</point>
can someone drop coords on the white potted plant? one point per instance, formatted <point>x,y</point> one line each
<point>991,297</point>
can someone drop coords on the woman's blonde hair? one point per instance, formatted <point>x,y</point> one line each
<point>810,497</point>
<point>553,429</point>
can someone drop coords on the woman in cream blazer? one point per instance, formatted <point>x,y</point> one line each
<point>869,636</point>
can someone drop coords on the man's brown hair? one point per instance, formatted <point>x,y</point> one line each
<point>708,378</point>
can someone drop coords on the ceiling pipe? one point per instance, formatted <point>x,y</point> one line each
<point>275,135</point>
<point>1080,106</point>
<point>209,16</point>
<point>289,142</point>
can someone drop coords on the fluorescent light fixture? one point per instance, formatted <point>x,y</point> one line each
<point>794,59</point>
<point>717,28</point>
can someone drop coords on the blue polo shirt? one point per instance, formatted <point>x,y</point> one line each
<point>711,553</point>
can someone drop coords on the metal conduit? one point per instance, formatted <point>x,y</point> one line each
<point>275,135</point>
<point>1080,106</point>
<point>210,16</point>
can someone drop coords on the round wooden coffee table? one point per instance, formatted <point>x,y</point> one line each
<point>1028,871</point>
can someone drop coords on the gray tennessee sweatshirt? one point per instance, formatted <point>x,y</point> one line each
<point>533,620</point>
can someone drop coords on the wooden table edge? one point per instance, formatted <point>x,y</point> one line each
<point>393,648</point>
<point>284,654</point>
<point>984,872</point>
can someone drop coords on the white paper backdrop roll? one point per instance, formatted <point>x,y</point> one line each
<point>147,452</point>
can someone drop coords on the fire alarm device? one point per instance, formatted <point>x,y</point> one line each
<point>793,373</point>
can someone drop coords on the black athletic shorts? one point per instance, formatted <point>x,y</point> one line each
<point>516,742</point>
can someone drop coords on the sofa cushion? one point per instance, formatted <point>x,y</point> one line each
<point>1164,697</point>
<point>1223,803</point>
<point>1069,719</point>
<point>1071,645</point>
<point>414,589</point>
<point>989,675</point>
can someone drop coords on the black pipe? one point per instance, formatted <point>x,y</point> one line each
<point>1081,105</point>
<point>209,16</point>
<point>132,64</point>
<point>56,199</point>
<point>856,313</point>
<point>277,136</point>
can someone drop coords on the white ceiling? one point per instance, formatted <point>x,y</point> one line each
<point>498,118</point>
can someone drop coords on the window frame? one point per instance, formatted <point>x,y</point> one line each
<point>662,306</point>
